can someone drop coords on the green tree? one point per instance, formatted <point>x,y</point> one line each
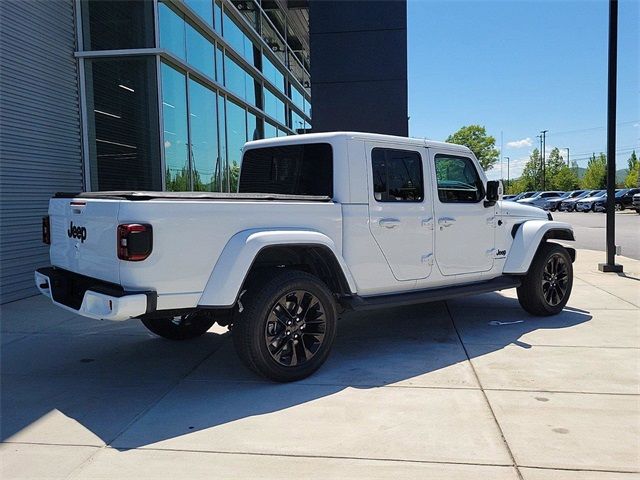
<point>559,175</point>
<point>530,178</point>
<point>234,175</point>
<point>482,145</point>
<point>596,175</point>
<point>633,176</point>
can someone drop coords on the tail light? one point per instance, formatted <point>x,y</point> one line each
<point>135,241</point>
<point>46,230</point>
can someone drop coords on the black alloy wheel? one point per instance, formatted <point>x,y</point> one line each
<point>287,324</point>
<point>555,279</point>
<point>546,287</point>
<point>295,329</point>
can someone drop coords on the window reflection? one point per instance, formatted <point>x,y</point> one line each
<point>123,131</point>
<point>174,112</point>
<point>117,24</point>
<point>270,131</point>
<point>204,8</point>
<point>240,42</point>
<point>200,52</point>
<point>236,138</point>
<point>204,138</point>
<point>271,72</point>
<point>172,31</point>
<point>274,107</point>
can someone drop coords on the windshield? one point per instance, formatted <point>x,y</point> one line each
<point>622,192</point>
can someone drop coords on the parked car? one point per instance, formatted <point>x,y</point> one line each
<point>569,204</point>
<point>553,203</point>
<point>540,198</point>
<point>587,204</point>
<point>508,197</point>
<point>280,259</point>
<point>623,199</point>
<point>636,202</point>
<point>522,195</point>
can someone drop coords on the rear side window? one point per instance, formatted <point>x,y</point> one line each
<point>458,180</point>
<point>397,175</point>
<point>289,170</point>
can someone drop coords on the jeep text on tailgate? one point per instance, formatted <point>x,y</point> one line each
<point>321,223</point>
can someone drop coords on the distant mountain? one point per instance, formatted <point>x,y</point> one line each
<point>620,174</point>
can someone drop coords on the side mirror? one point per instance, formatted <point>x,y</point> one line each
<point>493,193</point>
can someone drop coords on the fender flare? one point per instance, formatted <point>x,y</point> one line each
<point>527,239</point>
<point>237,257</point>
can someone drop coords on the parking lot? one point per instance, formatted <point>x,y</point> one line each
<point>590,230</point>
<point>470,388</point>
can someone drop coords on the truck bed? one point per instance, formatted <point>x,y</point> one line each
<point>142,196</point>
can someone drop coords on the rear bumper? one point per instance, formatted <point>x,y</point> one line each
<point>91,297</point>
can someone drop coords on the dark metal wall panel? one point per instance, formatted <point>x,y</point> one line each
<point>40,141</point>
<point>359,66</point>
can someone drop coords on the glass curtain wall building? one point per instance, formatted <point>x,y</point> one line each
<point>172,89</point>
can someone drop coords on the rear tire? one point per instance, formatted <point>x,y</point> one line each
<point>547,285</point>
<point>287,325</point>
<point>184,327</point>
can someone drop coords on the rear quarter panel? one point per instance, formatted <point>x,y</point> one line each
<point>188,237</point>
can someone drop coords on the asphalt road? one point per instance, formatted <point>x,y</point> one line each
<point>590,230</point>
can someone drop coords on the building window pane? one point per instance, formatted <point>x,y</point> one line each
<point>282,133</point>
<point>271,73</point>
<point>204,138</point>
<point>270,131</point>
<point>204,8</point>
<point>274,107</point>
<point>254,127</point>
<point>172,31</point>
<point>240,42</point>
<point>219,66</point>
<point>117,25</point>
<point>174,112</point>
<point>297,123</point>
<point>240,82</point>
<point>297,97</point>
<point>123,124</point>
<point>222,142</point>
<point>236,138</point>
<point>217,15</point>
<point>200,52</point>
<point>307,108</point>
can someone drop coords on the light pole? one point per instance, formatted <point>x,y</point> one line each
<point>568,164</point>
<point>540,167</point>
<point>610,265</point>
<point>544,159</point>
<point>508,184</point>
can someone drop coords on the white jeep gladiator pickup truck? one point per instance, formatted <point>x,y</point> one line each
<point>321,223</point>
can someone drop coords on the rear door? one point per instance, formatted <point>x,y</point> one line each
<point>400,208</point>
<point>83,237</point>
<point>464,227</point>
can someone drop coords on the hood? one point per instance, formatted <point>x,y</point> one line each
<point>514,209</point>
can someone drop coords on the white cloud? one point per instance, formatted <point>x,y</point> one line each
<point>525,142</point>
<point>636,125</point>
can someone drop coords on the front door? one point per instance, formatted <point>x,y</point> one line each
<point>400,208</point>
<point>464,227</point>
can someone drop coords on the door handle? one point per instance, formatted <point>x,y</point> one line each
<point>389,222</point>
<point>446,221</point>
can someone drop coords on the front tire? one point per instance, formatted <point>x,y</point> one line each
<point>547,286</point>
<point>287,325</point>
<point>182,327</point>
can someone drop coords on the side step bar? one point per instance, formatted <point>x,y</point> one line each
<point>432,295</point>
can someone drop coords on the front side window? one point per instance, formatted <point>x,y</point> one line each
<point>397,175</point>
<point>458,180</point>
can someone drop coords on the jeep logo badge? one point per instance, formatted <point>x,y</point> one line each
<point>77,232</point>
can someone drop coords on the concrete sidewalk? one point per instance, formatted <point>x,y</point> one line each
<point>472,388</point>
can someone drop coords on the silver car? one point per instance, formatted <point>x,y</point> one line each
<point>539,199</point>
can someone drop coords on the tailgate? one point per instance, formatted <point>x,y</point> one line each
<point>83,236</point>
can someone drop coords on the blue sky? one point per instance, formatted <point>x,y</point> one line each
<point>518,67</point>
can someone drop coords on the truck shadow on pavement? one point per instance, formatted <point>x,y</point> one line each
<point>129,389</point>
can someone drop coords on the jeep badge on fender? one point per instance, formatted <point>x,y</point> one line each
<point>77,232</point>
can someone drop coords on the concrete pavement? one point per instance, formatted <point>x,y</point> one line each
<point>469,388</point>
